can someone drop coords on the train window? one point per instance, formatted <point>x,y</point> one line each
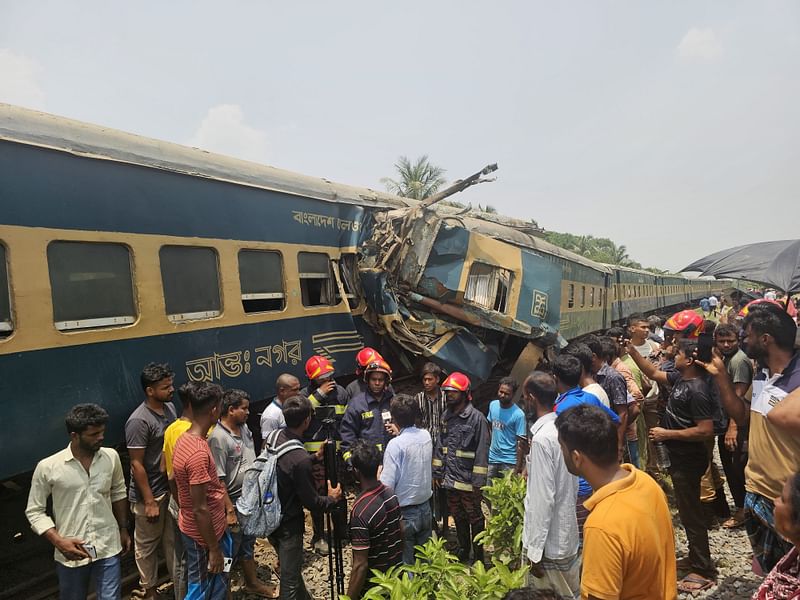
<point>261,281</point>
<point>571,301</point>
<point>348,274</point>
<point>190,276</point>
<point>6,324</point>
<point>91,285</point>
<point>317,286</point>
<point>488,286</point>
<point>591,296</point>
<point>583,296</point>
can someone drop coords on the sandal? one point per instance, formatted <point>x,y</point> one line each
<point>682,564</point>
<point>693,583</point>
<point>737,520</point>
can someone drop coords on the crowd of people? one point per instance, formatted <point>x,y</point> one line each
<point>601,432</point>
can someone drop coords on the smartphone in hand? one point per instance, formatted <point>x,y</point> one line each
<point>705,345</point>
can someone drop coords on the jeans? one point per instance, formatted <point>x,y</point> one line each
<point>686,472</point>
<point>179,568</point>
<point>200,584</point>
<point>73,582</point>
<point>418,523</point>
<point>499,469</point>
<point>289,547</point>
<point>633,452</point>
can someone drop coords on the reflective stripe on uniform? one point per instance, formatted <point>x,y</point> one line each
<point>313,400</point>
<point>465,487</point>
<point>339,408</point>
<point>464,454</point>
<point>347,455</point>
<point>437,462</point>
<point>480,470</point>
<point>444,450</point>
<point>314,446</point>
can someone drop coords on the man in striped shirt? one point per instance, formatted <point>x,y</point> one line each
<point>431,402</point>
<point>203,501</point>
<point>431,399</point>
<point>376,529</point>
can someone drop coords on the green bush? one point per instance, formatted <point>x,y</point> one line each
<point>503,532</point>
<point>438,574</point>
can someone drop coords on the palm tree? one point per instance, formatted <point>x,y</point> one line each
<point>584,245</point>
<point>417,180</point>
<point>621,255</point>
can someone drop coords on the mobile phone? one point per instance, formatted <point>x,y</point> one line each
<point>705,344</point>
<point>226,564</point>
<point>90,550</point>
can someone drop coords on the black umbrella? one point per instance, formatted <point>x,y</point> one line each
<point>775,264</point>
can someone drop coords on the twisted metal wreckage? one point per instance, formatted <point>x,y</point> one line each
<point>438,283</point>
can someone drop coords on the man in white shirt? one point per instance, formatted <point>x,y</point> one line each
<point>407,471</point>
<point>89,528</point>
<point>272,417</point>
<point>550,534</point>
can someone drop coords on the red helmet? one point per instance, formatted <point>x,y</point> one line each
<point>367,356</point>
<point>746,309</point>
<point>378,366</point>
<point>458,382</point>
<point>318,366</point>
<point>686,322</point>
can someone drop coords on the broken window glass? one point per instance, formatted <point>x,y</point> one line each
<point>488,286</point>
<point>316,279</point>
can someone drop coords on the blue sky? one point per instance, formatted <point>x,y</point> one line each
<point>670,127</point>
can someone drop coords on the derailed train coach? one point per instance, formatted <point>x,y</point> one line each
<point>117,250</point>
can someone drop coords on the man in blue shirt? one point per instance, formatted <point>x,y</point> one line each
<point>567,371</point>
<point>507,421</point>
<point>407,470</point>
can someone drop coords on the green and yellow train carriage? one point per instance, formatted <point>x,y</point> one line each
<point>117,251</point>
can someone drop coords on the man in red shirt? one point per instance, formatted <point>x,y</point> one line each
<point>203,500</point>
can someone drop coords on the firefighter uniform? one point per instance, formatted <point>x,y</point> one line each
<point>461,463</point>
<point>318,431</point>
<point>363,420</point>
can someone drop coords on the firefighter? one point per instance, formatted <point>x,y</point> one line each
<point>365,357</point>
<point>328,400</point>
<point>460,463</point>
<point>367,416</point>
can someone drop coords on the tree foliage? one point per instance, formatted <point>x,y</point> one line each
<point>418,179</point>
<point>506,496</point>
<point>598,249</point>
<point>438,575</point>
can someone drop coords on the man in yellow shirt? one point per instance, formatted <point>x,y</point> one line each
<point>628,544</point>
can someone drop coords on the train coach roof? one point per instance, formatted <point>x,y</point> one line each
<point>518,237</point>
<point>83,139</point>
<point>26,126</point>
